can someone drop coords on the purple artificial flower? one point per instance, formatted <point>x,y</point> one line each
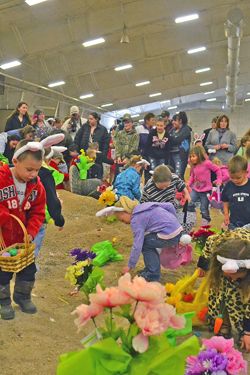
<point>207,362</point>
<point>81,255</point>
<point>75,252</point>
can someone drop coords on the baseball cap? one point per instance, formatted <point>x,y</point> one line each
<point>127,117</point>
<point>74,109</point>
<point>165,114</point>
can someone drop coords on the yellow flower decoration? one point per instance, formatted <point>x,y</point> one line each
<point>107,198</point>
<point>74,271</point>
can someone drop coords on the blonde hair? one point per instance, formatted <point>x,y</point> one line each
<point>91,153</point>
<point>162,174</point>
<point>237,164</point>
<point>217,161</point>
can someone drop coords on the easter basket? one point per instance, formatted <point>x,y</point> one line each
<point>25,252</point>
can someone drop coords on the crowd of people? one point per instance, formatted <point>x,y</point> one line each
<point>147,166</point>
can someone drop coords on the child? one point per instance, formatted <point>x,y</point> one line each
<point>57,162</point>
<point>244,142</point>
<point>23,195</point>
<point>200,180</point>
<point>154,226</point>
<point>127,183</point>
<point>236,194</point>
<point>157,147</point>
<point>224,170</point>
<point>162,187</point>
<point>229,279</point>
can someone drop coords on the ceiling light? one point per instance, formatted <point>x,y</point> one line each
<point>86,96</point>
<point>248,93</point>
<point>107,105</point>
<point>211,100</point>
<point>173,107</point>
<point>34,2</point>
<point>247,100</point>
<point>10,64</point>
<point>142,83</point>
<point>134,116</point>
<point>54,84</point>
<point>209,92</point>
<point>206,83</point>
<point>165,101</point>
<point>93,42</point>
<point>202,70</point>
<point>155,94</point>
<point>124,38</point>
<point>123,67</point>
<point>189,17</point>
<point>195,50</point>
<point>141,120</point>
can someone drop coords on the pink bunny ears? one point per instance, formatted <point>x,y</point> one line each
<point>198,138</point>
<point>40,146</point>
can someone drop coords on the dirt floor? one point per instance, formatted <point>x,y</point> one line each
<point>32,344</point>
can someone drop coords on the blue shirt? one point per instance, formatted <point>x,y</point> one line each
<point>128,183</point>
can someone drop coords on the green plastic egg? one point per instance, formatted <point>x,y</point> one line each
<point>13,252</point>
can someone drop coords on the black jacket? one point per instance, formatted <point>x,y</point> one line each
<point>52,200</point>
<point>177,139</point>
<point>14,123</point>
<point>101,136</point>
<point>156,148</point>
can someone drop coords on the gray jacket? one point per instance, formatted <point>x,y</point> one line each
<point>229,138</point>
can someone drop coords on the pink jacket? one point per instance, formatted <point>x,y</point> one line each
<point>200,176</point>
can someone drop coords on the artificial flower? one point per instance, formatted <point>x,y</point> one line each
<point>155,319</point>
<point>236,364</point>
<point>142,290</point>
<point>107,198</point>
<point>81,255</point>
<point>219,343</point>
<point>85,313</point>
<point>140,343</point>
<point>74,271</point>
<point>109,297</point>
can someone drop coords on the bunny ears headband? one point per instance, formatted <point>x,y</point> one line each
<point>55,149</point>
<point>198,138</point>
<point>233,265</point>
<point>40,146</point>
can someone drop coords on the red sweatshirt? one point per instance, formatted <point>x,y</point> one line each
<point>9,204</point>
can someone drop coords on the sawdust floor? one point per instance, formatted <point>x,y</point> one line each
<point>32,344</point>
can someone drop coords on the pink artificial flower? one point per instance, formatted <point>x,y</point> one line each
<point>236,364</point>
<point>85,313</point>
<point>155,319</point>
<point>219,343</point>
<point>140,343</point>
<point>110,297</point>
<point>142,290</point>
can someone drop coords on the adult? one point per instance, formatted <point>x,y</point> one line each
<point>66,142</point>
<point>42,128</point>
<point>8,145</point>
<point>93,132</point>
<point>19,118</point>
<point>207,131</point>
<point>73,124</point>
<point>179,140</point>
<point>167,120</point>
<point>144,129</point>
<point>157,146</point>
<point>221,142</point>
<point>127,141</point>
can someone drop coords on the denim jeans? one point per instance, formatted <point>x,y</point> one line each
<point>178,164</point>
<point>156,162</point>
<point>152,270</point>
<point>38,240</point>
<point>204,203</point>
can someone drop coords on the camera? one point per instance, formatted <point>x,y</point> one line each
<point>73,123</point>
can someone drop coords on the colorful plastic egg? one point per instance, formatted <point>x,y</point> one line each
<point>5,254</point>
<point>13,252</point>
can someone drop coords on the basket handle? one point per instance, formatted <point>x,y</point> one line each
<point>25,233</point>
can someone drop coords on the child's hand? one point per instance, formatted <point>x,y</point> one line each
<point>245,343</point>
<point>226,220</point>
<point>125,270</point>
<point>27,206</point>
<point>202,273</point>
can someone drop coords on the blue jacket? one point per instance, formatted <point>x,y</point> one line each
<point>128,183</point>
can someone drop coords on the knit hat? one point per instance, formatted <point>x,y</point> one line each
<point>127,204</point>
<point>74,109</point>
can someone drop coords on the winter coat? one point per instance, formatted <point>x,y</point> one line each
<point>200,176</point>
<point>126,143</point>
<point>216,138</point>
<point>180,140</point>
<point>157,148</point>
<point>101,136</point>
<point>32,218</point>
<point>128,183</point>
<point>151,217</point>
<point>13,122</point>
<point>67,126</point>
<point>53,203</point>
<point>143,132</point>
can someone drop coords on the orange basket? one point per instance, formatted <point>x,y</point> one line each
<point>25,255</point>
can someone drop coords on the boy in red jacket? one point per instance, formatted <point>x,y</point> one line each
<point>23,195</point>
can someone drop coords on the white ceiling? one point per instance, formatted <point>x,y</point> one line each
<point>47,39</point>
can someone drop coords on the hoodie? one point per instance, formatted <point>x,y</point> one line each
<point>32,218</point>
<point>152,217</point>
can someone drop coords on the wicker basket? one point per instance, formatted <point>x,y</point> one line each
<point>21,260</point>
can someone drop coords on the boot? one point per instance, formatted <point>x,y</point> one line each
<point>22,296</point>
<point>6,312</point>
